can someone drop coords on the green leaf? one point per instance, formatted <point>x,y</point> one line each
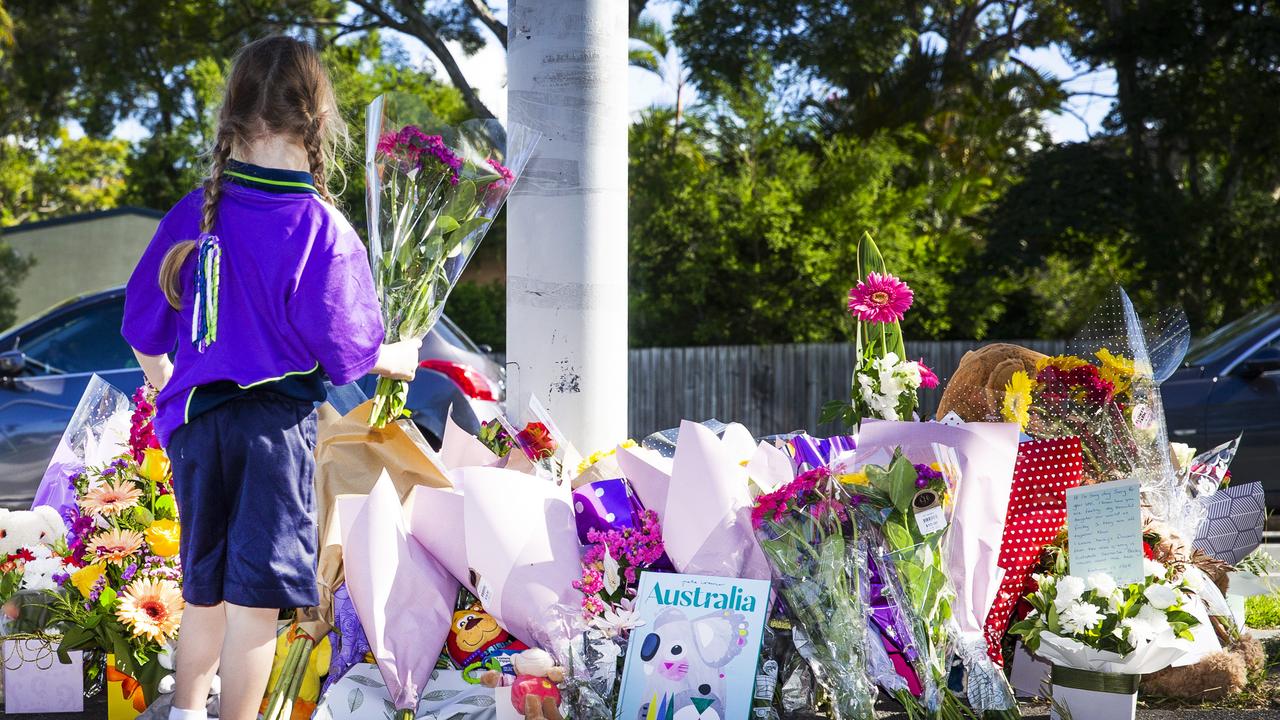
<point>462,200</point>
<point>143,515</point>
<point>902,483</point>
<point>444,224</point>
<point>107,600</point>
<point>467,228</point>
<point>166,508</point>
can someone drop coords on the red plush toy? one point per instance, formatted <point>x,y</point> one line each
<point>535,690</point>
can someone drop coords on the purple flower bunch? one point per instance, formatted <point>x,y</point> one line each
<point>634,549</point>
<point>414,149</point>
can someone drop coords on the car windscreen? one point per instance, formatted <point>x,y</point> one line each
<point>1220,343</point>
<point>454,336</point>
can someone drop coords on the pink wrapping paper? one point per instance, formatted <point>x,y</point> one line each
<point>434,516</point>
<point>650,476</point>
<point>707,523</point>
<point>521,544</point>
<point>403,596</point>
<point>986,453</point>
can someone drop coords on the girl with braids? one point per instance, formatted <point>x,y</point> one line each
<point>262,291</point>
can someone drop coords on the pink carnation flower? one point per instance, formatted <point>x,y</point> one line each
<point>928,378</point>
<point>880,299</point>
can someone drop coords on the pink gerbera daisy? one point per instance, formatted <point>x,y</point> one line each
<point>880,299</point>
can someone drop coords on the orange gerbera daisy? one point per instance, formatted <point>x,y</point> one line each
<point>151,608</point>
<point>110,498</point>
<point>114,545</point>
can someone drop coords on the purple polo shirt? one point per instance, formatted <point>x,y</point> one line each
<point>296,293</point>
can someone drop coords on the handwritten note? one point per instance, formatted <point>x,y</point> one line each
<point>1104,530</point>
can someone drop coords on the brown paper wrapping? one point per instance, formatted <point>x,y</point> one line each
<point>350,456</point>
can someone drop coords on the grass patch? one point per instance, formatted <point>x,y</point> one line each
<point>1262,611</point>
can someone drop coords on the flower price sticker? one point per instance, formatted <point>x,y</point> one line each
<point>1104,530</point>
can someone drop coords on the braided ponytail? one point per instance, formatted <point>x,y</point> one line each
<point>171,266</point>
<point>314,143</point>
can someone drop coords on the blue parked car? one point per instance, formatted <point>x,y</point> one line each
<point>46,362</point>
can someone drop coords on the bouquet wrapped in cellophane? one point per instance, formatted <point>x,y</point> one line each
<point>120,587</point>
<point>802,529</point>
<point>432,193</point>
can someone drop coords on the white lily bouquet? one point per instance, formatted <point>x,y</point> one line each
<point>1102,636</point>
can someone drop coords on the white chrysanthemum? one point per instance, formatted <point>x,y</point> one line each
<point>1069,588</point>
<point>1080,617</point>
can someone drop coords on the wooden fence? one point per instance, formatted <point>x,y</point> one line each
<point>768,388</point>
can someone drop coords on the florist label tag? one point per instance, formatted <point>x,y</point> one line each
<point>1104,530</point>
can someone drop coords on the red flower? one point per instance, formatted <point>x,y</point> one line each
<point>23,554</point>
<point>1147,552</point>
<point>537,442</point>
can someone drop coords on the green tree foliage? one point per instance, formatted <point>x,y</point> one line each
<point>1180,199</point>
<point>744,232</point>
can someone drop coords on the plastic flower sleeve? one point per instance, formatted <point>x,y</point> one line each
<point>97,433</point>
<point>589,658</point>
<point>432,192</point>
<point>1133,356</point>
<point>801,530</point>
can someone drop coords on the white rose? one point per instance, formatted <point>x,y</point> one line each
<point>1070,588</point>
<point>1153,568</point>
<point>1183,454</point>
<point>1161,596</point>
<point>1102,583</point>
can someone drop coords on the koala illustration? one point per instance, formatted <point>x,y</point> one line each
<point>684,663</point>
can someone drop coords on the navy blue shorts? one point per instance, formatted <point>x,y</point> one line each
<point>243,479</point>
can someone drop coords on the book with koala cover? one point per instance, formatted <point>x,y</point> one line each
<point>695,654</point>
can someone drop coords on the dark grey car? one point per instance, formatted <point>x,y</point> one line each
<point>46,362</point>
<point>1228,385</point>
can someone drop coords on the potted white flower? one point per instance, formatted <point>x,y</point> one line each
<point>1101,637</point>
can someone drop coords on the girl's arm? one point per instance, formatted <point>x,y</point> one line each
<point>157,368</point>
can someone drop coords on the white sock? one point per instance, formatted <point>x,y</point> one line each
<point>177,713</point>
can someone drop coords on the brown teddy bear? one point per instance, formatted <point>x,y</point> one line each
<point>975,391</point>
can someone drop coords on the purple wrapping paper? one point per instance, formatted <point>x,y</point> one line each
<point>887,622</point>
<point>347,640</point>
<point>809,452</point>
<point>605,505</point>
<point>609,505</point>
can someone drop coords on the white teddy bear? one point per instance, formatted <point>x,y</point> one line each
<point>29,529</point>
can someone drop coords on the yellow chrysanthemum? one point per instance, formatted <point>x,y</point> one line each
<point>854,478</point>
<point>599,455</point>
<point>162,537</point>
<point>151,608</point>
<point>1061,362</point>
<point>1017,400</point>
<point>1119,370</point>
<point>155,466</point>
<point>110,498</point>
<point>85,578</point>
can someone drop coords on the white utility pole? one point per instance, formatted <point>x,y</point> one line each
<point>567,217</point>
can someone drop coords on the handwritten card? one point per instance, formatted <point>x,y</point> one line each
<point>1104,530</point>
